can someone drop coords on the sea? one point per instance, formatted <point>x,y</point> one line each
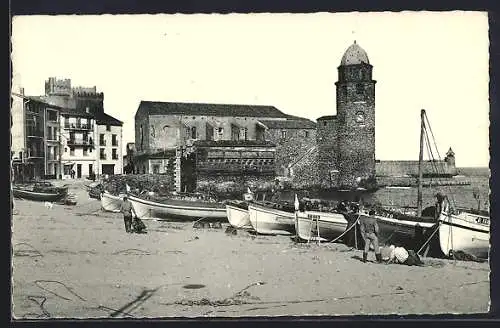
<point>474,195</point>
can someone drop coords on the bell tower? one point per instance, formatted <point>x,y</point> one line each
<point>355,119</point>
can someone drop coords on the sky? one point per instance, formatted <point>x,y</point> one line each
<point>422,60</point>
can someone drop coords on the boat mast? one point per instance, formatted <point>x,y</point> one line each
<point>420,159</point>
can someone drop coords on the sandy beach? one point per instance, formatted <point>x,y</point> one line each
<point>78,262</point>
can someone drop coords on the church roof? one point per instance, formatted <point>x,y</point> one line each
<point>354,55</point>
<point>177,108</point>
<point>289,124</point>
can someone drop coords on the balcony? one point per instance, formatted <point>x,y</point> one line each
<point>80,142</point>
<point>77,126</point>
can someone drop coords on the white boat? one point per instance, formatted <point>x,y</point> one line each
<point>320,226</point>
<point>237,215</point>
<point>177,209</point>
<point>466,232</point>
<point>111,203</point>
<point>271,221</point>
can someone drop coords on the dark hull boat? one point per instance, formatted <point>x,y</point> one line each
<point>39,195</point>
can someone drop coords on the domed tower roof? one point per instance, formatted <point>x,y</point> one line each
<point>354,55</point>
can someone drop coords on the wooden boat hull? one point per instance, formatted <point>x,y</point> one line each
<point>111,203</point>
<point>176,210</point>
<point>405,233</point>
<point>38,196</point>
<point>329,225</point>
<point>269,221</point>
<point>238,217</point>
<point>465,232</point>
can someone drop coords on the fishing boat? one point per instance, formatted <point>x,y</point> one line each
<point>401,229</point>
<point>457,230</point>
<point>110,202</point>
<point>172,207</point>
<point>237,214</point>
<point>319,226</point>
<point>466,231</point>
<point>271,218</point>
<point>42,192</point>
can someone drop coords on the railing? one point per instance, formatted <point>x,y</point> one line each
<point>102,142</point>
<point>79,142</point>
<point>114,143</point>
<point>103,156</point>
<point>114,156</point>
<point>234,168</point>
<point>78,126</point>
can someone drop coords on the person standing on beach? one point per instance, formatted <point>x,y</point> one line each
<point>127,210</point>
<point>369,231</point>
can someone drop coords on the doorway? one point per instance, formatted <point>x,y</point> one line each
<point>78,171</point>
<point>108,169</point>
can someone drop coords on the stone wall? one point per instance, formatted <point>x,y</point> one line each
<point>291,146</point>
<point>402,168</point>
<point>327,150</point>
<point>305,172</point>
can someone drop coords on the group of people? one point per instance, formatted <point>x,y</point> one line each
<point>389,254</point>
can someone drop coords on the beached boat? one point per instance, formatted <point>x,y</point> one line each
<point>464,231</point>
<point>42,192</point>
<point>237,214</point>
<point>272,219</point>
<point>111,203</point>
<point>319,226</point>
<point>404,230</point>
<point>170,208</point>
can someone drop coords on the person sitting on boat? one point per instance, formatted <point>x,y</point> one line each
<point>128,212</point>
<point>369,231</point>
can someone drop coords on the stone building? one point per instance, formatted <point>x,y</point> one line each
<point>35,138</point>
<point>166,131</point>
<point>92,139</point>
<point>346,141</point>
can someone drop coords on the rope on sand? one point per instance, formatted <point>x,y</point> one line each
<point>32,252</point>
<point>37,283</point>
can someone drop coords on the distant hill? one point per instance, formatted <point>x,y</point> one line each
<point>474,171</point>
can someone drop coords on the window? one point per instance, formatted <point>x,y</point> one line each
<point>114,141</point>
<point>156,169</point>
<point>283,134</point>
<point>102,154</point>
<point>244,133</point>
<point>115,153</point>
<point>71,151</point>
<point>344,90</point>
<point>85,152</point>
<point>360,88</point>
<point>306,134</point>
<point>108,127</point>
<point>188,132</point>
<point>102,141</point>
<point>193,132</point>
<point>324,123</point>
